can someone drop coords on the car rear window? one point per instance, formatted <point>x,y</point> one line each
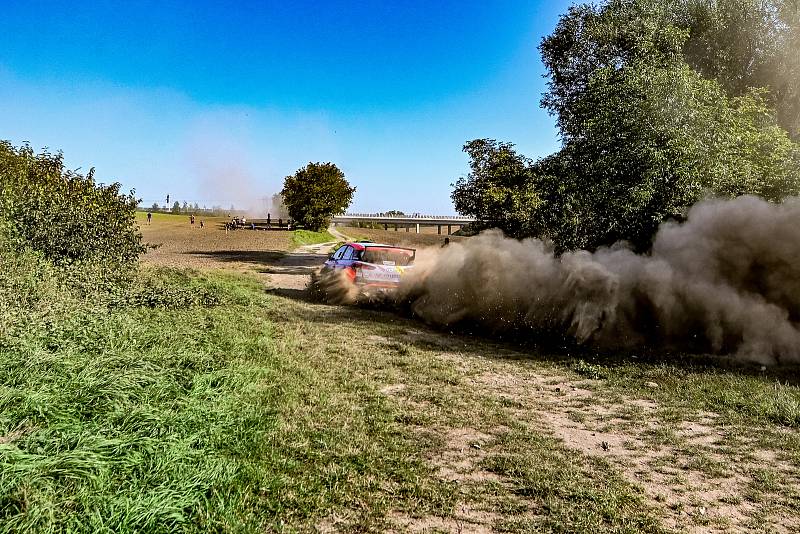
<point>388,256</point>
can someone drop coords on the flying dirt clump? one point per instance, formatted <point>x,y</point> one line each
<point>727,280</point>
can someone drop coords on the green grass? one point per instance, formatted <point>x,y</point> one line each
<point>194,419</point>
<point>308,237</point>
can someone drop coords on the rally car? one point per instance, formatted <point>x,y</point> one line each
<point>369,267</point>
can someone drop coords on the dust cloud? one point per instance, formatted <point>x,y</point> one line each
<point>727,280</point>
<point>224,175</point>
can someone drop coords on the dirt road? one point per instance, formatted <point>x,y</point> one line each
<point>292,271</point>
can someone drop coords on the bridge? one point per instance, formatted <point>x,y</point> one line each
<point>405,221</point>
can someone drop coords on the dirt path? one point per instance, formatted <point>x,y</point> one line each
<point>498,418</point>
<point>292,271</point>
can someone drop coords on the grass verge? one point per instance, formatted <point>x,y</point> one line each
<point>308,237</point>
<point>197,417</point>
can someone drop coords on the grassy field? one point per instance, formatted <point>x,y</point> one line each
<point>205,403</point>
<point>308,237</point>
<point>399,238</point>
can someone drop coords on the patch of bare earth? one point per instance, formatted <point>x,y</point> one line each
<point>688,479</point>
<point>466,519</point>
<point>180,244</point>
<point>458,461</point>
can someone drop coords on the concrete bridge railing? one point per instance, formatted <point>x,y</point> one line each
<point>415,220</point>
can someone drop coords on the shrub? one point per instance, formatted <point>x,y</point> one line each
<point>64,215</point>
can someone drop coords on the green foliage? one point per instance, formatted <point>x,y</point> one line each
<point>644,135</point>
<point>742,44</point>
<point>590,370</point>
<point>315,193</point>
<point>62,214</point>
<point>745,44</point>
<point>500,190</point>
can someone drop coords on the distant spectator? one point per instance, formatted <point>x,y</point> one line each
<point>269,220</point>
<point>201,224</point>
<point>149,217</point>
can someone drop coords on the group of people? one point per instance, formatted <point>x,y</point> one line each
<point>239,222</point>
<point>191,220</point>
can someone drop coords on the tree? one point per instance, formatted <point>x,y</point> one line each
<point>155,207</point>
<point>742,44</point>
<point>745,44</point>
<point>395,213</point>
<point>655,141</point>
<point>644,136</point>
<point>315,193</point>
<point>500,190</point>
<point>176,207</point>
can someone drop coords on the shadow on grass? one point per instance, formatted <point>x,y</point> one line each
<point>268,261</point>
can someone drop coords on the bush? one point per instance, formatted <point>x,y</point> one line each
<point>62,214</point>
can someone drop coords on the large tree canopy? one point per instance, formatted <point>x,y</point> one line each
<point>742,44</point>
<point>315,193</point>
<point>645,135</point>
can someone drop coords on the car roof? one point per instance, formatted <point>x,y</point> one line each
<point>363,246</point>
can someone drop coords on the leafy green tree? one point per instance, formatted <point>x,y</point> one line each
<point>644,136</point>
<point>315,193</point>
<point>500,190</point>
<point>176,207</point>
<point>64,215</point>
<point>742,44</point>
<point>155,207</point>
<point>656,140</point>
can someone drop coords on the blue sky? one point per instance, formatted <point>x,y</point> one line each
<point>215,102</point>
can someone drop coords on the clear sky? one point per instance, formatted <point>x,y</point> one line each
<point>214,102</point>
